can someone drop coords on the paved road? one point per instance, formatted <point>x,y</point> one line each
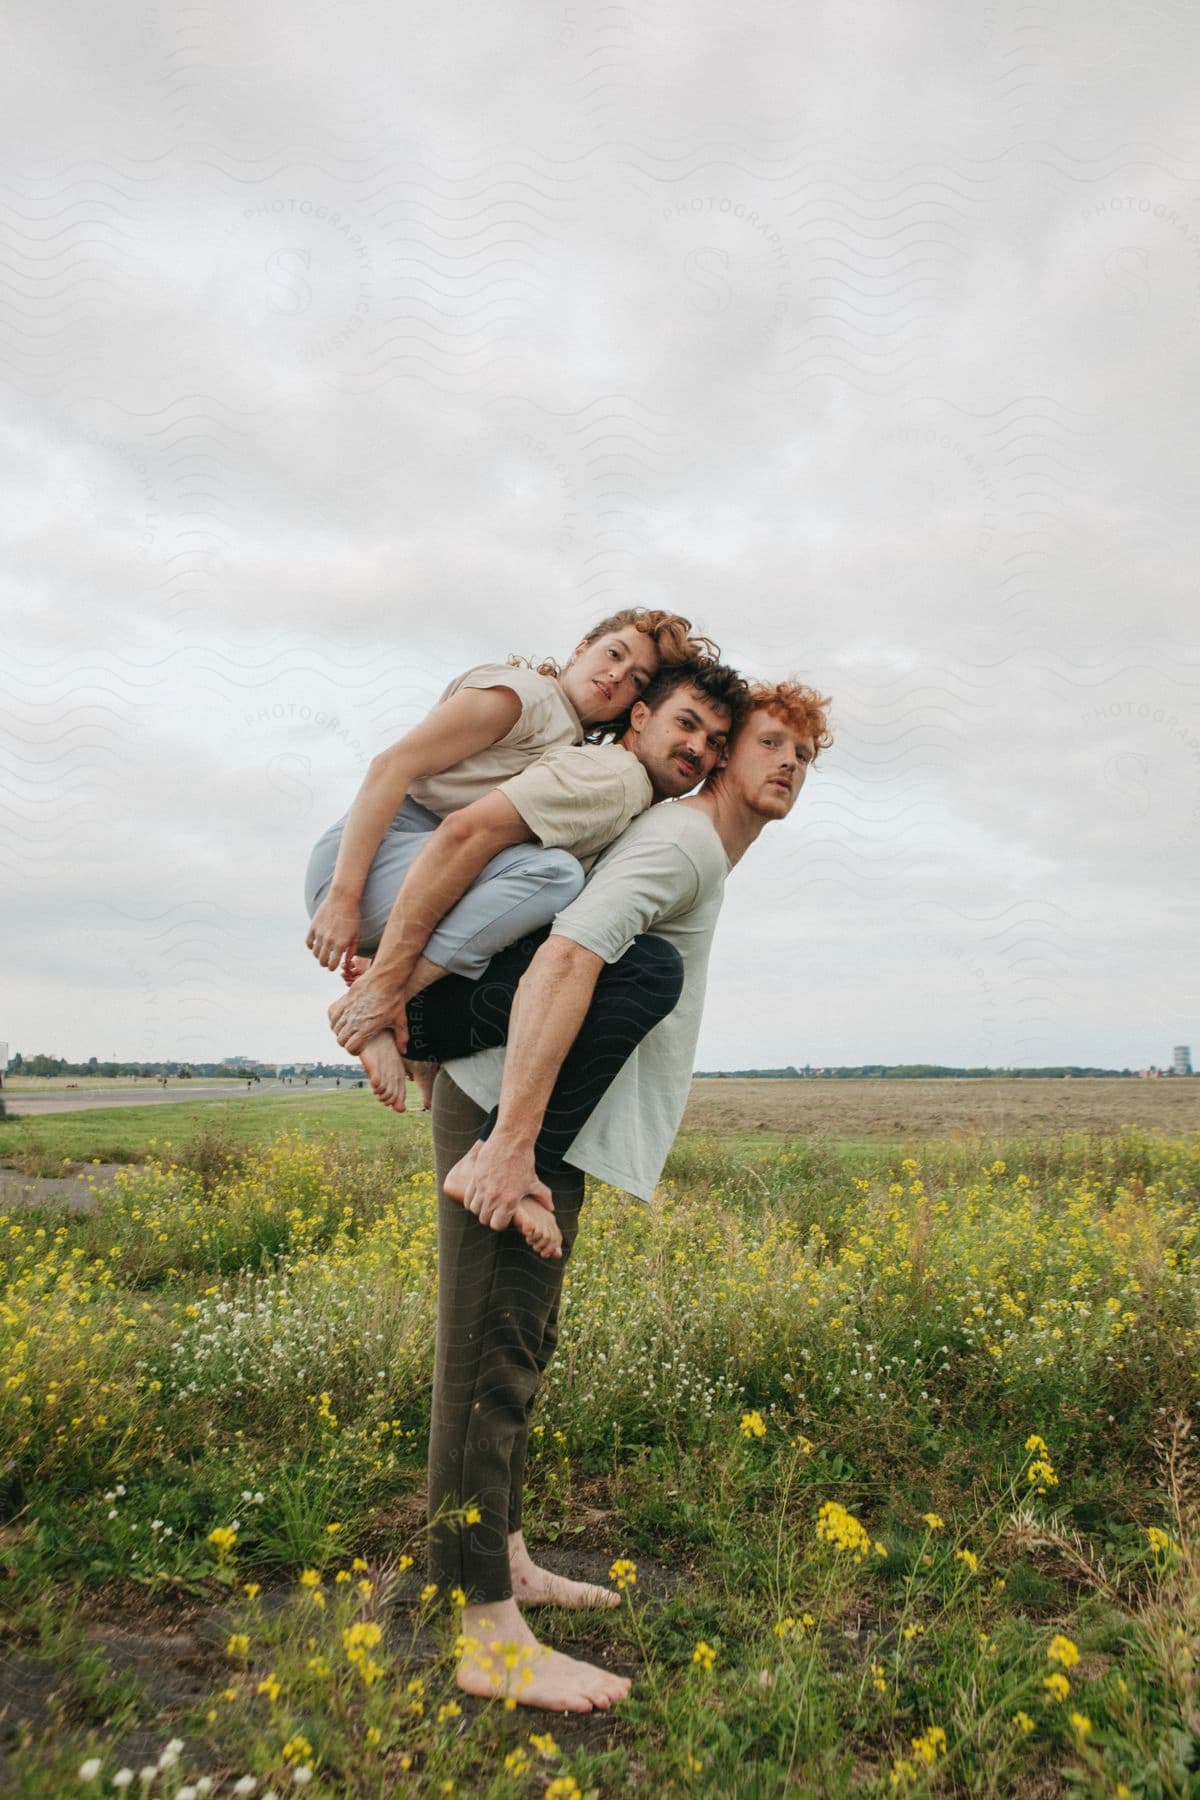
<point>82,1099</point>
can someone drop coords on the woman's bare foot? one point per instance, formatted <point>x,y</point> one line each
<point>424,1074</point>
<point>352,967</point>
<point>385,1068</point>
<point>501,1659</point>
<point>536,1224</point>
<point>535,1586</point>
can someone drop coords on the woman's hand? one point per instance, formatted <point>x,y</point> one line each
<point>333,933</point>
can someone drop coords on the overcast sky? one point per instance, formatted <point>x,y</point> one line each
<point>341,348</point>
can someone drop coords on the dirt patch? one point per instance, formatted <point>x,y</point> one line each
<point>942,1109</point>
<point>77,1192</point>
<point>174,1652</point>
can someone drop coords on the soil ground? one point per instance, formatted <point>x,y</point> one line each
<point>173,1650</point>
<point>942,1109</point>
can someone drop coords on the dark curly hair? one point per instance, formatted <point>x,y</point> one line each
<point>718,683</point>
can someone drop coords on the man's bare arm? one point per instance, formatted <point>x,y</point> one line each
<point>550,1006</point>
<point>457,852</point>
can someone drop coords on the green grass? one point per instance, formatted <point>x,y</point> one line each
<point>132,1133</point>
<point>766,1381</point>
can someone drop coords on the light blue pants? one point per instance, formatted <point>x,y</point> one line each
<point>519,891</point>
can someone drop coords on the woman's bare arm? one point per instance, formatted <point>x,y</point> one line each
<point>466,723</point>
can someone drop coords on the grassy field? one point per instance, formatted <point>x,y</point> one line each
<point>738,1113</point>
<point>41,1145</point>
<point>887,1432</point>
<point>16,1085</point>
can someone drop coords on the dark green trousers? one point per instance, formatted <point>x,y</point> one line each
<point>497,1326</point>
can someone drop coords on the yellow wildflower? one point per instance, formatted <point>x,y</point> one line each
<point>934,1521</point>
<point>969,1558</point>
<point>840,1528</point>
<point>1057,1686</point>
<point>930,1745</point>
<point>753,1425</point>
<point>704,1655</point>
<point>623,1572</point>
<point>1062,1650</point>
<point>238,1645</point>
<point>1023,1723</point>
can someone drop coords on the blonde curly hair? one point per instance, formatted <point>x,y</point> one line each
<point>671,632</point>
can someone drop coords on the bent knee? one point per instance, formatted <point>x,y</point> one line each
<point>561,875</point>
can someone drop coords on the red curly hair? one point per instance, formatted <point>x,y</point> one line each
<point>798,707</point>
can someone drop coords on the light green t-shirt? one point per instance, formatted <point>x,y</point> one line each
<point>665,875</point>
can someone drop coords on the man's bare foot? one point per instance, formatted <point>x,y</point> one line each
<point>352,967</point>
<point>424,1074</point>
<point>539,1227</point>
<point>385,1067</point>
<point>536,1223</point>
<point>501,1659</point>
<point>535,1586</point>
<point>458,1181</point>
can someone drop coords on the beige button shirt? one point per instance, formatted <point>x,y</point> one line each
<point>580,798</point>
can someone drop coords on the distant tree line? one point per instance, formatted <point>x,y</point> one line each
<point>907,1072</point>
<point>183,1071</point>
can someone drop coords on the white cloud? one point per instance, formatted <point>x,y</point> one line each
<point>335,358</point>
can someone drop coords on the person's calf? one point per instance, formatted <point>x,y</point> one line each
<point>424,1074</point>
<point>533,1585</point>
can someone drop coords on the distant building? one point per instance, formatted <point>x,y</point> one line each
<point>1181,1059</point>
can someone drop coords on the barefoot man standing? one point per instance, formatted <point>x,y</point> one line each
<point>498,1299</point>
